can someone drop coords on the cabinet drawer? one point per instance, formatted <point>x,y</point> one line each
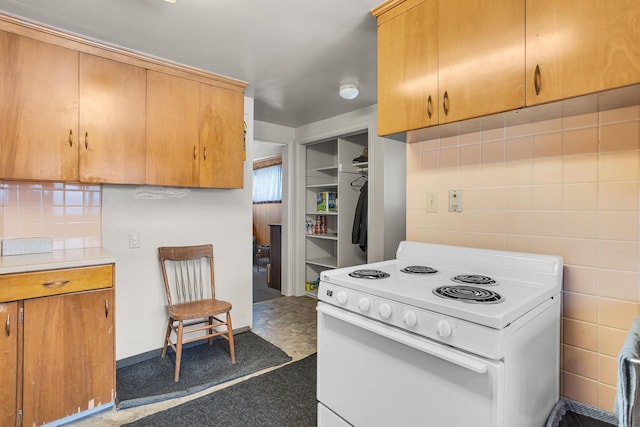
<point>20,286</point>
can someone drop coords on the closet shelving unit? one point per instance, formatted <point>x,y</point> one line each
<point>330,167</point>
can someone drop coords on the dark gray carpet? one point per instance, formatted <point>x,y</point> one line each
<point>284,397</point>
<point>572,419</point>
<point>262,292</point>
<point>202,366</point>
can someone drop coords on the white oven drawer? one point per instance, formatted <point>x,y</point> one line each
<point>371,374</point>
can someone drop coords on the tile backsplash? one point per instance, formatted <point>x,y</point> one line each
<point>568,186</point>
<point>71,214</point>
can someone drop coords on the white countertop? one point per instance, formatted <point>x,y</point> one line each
<point>69,258</point>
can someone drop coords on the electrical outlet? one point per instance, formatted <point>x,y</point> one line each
<point>432,201</point>
<point>455,200</point>
<point>134,240</point>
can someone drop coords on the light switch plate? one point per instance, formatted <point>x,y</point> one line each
<point>34,245</point>
<point>432,201</point>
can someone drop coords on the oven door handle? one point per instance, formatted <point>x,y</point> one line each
<point>422,344</point>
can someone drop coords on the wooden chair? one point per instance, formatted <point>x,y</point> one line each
<point>193,308</point>
<point>263,255</point>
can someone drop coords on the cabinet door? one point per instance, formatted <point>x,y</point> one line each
<point>481,57</point>
<point>172,131</point>
<point>9,363</point>
<point>408,68</point>
<point>581,46</point>
<point>221,137</point>
<point>38,110</point>
<point>112,121</point>
<point>69,356</point>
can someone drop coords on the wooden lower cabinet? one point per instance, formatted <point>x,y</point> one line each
<point>57,344</point>
<point>68,362</point>
<point>8,363</point>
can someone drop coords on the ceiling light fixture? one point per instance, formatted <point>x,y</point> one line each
<point>348,91</point>
<point>170,1</point>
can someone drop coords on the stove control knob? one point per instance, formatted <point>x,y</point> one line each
<point>443,328</point>
<point>410,319</point>
<point>342,297</point>
<point>385,311</point>
<point>364,304</point>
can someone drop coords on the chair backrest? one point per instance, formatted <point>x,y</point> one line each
<point>187,272</point>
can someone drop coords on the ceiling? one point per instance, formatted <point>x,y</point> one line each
<point>293,53</point>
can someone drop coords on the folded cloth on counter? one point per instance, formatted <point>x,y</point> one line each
<point>626,403</point>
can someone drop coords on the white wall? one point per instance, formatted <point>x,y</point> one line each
<point>220,217</point>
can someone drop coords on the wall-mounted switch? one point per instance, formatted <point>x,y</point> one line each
<point>455,200</point>
<point>432,201</point>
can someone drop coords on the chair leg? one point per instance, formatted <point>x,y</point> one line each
<point>230,336</point>
<point>179,351</point>
<point>210,330</point>
<point>167,337</point>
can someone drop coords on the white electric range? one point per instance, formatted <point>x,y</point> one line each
<point>410,333</point>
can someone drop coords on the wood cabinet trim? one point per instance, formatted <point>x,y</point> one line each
<point>20,286</point>
<point>392,8</point>
<point>60,38</point>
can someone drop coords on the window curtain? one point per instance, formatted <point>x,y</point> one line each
<point>267,184</point>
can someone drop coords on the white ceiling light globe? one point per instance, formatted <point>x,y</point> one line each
<point>349,91</point>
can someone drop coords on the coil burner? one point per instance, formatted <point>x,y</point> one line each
<point>369,274</point>
<point>470,294</point>
<point>474,279</point>
<point>419,269</point>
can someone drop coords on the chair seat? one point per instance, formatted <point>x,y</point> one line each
<point>199,309</point>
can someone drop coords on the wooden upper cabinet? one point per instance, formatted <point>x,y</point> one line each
<point>172,130</point>
<point>221,137</point>
<point>112,121</point>
<point>465,56</point>
<point>194,133</point>
<point>38,110</point>
<point>481,57</point>
<point>408,67</point>
<point>581,46</point>
<point>9,363</point>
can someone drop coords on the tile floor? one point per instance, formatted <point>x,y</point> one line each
<point>287,322</point>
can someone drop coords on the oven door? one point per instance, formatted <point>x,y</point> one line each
<point>372,374</point>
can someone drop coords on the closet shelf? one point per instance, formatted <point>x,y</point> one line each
<point>329,236</point>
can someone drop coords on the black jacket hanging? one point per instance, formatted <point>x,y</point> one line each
<point>359,231</point>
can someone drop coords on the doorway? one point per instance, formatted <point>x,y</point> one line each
<point>267,220</point>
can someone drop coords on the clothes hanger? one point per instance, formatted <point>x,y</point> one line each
<point>356,183</point>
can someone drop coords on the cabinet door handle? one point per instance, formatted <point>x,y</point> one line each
<point>7,326</point>
<point>536,79</point>
<point>70,138</point>
<point>86,140</point>
<point>56,284</point>
<point>205,153</point>
<point>445,103</point>
<point>429,106</point>
<point>106,308</point>
<point>195,152</point>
